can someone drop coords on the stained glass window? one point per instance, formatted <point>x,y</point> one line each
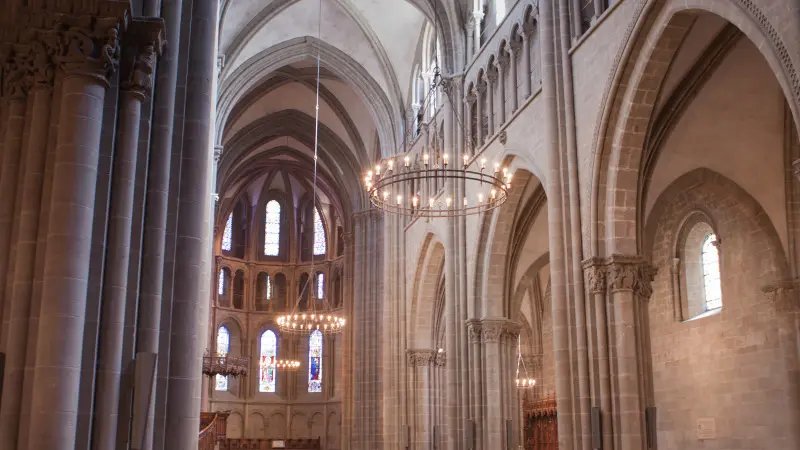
<point>227,235</point>
<point>711,279</point>
<point>269,353</point>
<point>320,286</point>
<point>221,282</point>
<point>315,362</point>
<point>268,287</point>
<point>320,246</point>
<point>223,346</point>
<point>272,229</point>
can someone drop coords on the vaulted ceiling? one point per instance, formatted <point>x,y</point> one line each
<point>368,50</point>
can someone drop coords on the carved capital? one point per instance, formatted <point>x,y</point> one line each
<point>503,137</point>
<point>491,73</point>
<point>630,273</point>
<point>784,294</point>
<point>474,330</point>
<point>596,274</point>
<point>17,64</point>
<point>514,46</point>
<point>90,46</point>
<point>143,43</point>
<point>441,359</point>
<point>420,357</point>
<point>501,62</point>
<point>492,330</point>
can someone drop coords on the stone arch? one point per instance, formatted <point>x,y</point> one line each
<point>276,427</point>
<point>430,267</point>
<point>251,73</point>
<point>256,426</point>
<point>299,426</point>
<point>333,434</point>
<point>235,425</point>
<point>317,426</point>
<point>494,254</point>
<point>236,330</point>
<point>652,41</point>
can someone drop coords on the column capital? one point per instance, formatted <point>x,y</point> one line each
<point>90,46</point>
<point>784,293</point>
<point>501,62</point>
<point>418,357</point>
<point>475,330</point>
<point>440,360</point>
<point>142,44</point>
<point>17,64</point>
<point>514,45</point>
<point>796,168</point>
<point>477,15</point>
<point>630,272</point>
<point>595,271</point>
<point>494,330</point>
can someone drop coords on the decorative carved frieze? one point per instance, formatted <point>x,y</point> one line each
<point>441,359</point>
<point>420,357</point>
<point>143,43</point>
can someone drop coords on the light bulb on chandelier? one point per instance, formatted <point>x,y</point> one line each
<point>524,382</point>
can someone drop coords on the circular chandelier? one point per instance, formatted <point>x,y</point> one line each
<point>426,187</point>
<point>323,319</point>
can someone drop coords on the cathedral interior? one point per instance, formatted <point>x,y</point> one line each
<point>400,224</point>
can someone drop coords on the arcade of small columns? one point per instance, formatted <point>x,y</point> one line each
<point>91,180</point>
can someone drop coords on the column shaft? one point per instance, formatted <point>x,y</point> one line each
<point>24,264</point>
<point>526,63</point>
<point>115,285</point>
<point>190,278</point>
<point>9,180</point>
<point>59,347</point>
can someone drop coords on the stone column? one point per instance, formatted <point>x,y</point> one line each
<point>513,50</point>
<point>471,49</point>
<point>501,64</point>
<point>525,33</point>
<point>491,76</point>
<point>420,363</point>
<point>493,435</point>
<point>190,277</point>
<point>471,103</point>
<point>143,41</point>
<point>87,57</point>
<point>21,285</point>
<point>16,83</point>
<point>629,279</point>
<point>477,17</point>
<point>596,286</point>
<point>481,89</point>
<point>154,243</point>
<point>476,389</point>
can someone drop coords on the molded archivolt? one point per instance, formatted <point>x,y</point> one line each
<point>245,78</point>
<point>424,302</point>
<point>643,62</point>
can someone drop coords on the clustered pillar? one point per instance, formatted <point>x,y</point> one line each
<point>68,214</point>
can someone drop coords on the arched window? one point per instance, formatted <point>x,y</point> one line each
<point>227,235</point>
<point>221,282</point>
<point>272,229</point>
<point>223,346</point>
<point>268,288</point>
<point>269,355</point>
<point>712,288</point>
<point>320,244</point>
<point>499,11</point>
<point>315,362</point>
<point>320,288</point>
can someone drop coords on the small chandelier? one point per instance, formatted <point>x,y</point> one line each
<point>225,365</point>
<point>281,364</point>
<point>399,188</point>
<point>524,382</point>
